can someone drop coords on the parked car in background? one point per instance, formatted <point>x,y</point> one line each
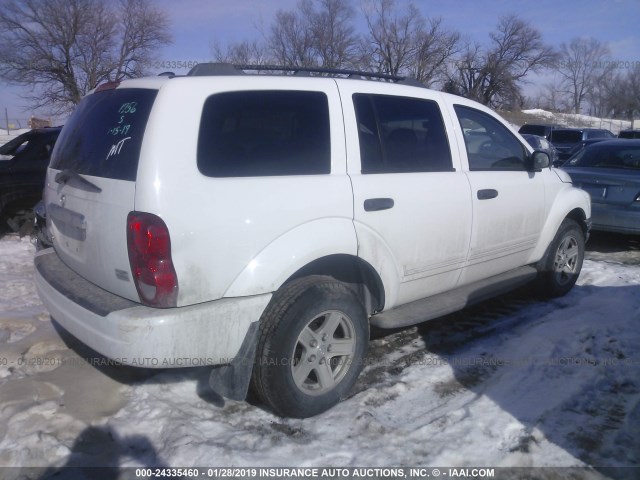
<point>629,134</point>
<point>610,172</point>
<point>580,145</point>
<point>539,129</point>
<point>23,168</point>
<point>541,143</point>
<point>564,139</point>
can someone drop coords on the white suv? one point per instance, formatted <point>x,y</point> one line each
<point>261,223</point>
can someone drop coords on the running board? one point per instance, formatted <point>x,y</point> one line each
<point>454,300</point>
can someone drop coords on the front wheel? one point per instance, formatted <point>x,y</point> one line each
<point>312,344</point>
<point>563,263</point>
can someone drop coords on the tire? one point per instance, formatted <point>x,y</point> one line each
<point>311,346</point>
<point>563,262</point>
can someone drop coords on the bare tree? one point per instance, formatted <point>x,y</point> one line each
<point>633,78</point>
<point>291,41</point>
<point>436,46</point>
<point>404,42</point>
<point>333,34</point>
<point>243,53</point>
<point>319,34</point>
<point>390,45</point>
<point>579,66</point>
<point>494,76</point>
<point>551,99</point>
<point>64,48</point>
<point>620,94</point>
<point>465,78</point>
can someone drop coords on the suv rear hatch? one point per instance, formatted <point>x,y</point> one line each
<point>91,185</point>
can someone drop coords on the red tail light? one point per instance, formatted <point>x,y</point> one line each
<point>149,247</point>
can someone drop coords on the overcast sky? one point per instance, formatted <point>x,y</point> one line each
<point>196,24</point>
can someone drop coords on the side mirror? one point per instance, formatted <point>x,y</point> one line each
<point>537,161</point>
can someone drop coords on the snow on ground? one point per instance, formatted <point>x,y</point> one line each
<point>511,382</point>
<point>579,120</point>
<point>5,137</point>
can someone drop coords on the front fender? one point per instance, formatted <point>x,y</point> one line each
<point>567,200</point>
<point>287,254</point>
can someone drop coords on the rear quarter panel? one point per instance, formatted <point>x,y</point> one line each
<point>231,236</point>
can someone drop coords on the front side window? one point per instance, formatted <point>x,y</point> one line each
<point>490,145</point>
<point>264,133</point>
<point>401,134</point>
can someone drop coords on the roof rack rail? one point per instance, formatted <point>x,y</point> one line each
<point>212,69</point>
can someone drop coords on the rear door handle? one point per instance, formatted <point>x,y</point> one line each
<point>376,204</point>
<point>487,194</point>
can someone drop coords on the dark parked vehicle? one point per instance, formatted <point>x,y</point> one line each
<point>539,129</point>
<point>580,145</point>
<point>629,134</point>
<point>23,167</point>
<point>610,172</point>
<point>541,143</point>
<point>564,139</point>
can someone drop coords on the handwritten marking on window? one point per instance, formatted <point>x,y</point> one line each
<point>116,148</point>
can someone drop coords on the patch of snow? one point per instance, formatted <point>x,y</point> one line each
<point>4,137</point>
<point>572,120</point>
<point>539,112</point>
<point>512,382</point>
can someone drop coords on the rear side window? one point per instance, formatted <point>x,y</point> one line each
<point>264,133</point>
<point>104,134</point>
<point>401,134</point>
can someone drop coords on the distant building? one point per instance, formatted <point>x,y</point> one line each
<point>38,122</point>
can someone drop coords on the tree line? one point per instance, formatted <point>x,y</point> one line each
<point>400,40</point>
<point>67,47</point>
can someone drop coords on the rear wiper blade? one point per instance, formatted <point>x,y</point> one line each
<point>65,175</point>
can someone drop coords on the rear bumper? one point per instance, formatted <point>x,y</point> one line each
<point>210,333</point>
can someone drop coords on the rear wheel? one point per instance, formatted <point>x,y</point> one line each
<point>312,343</point>
<point>563,263</point>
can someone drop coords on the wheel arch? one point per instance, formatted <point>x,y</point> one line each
<point>577,215</point>
<point>571,203</point>
<point>352,270</point>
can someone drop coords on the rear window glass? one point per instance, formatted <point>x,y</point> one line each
<point>566,136</point>
<point>104,134</point>
<point>263,133</point>
<point>608,156</point>
<point>539,130</point>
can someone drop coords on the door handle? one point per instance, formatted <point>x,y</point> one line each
<point>376,204</point>
<point>487,194</point>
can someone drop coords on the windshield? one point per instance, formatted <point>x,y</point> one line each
<point>11,148</point>
<point>608,156</point>
<point>104,134</point>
